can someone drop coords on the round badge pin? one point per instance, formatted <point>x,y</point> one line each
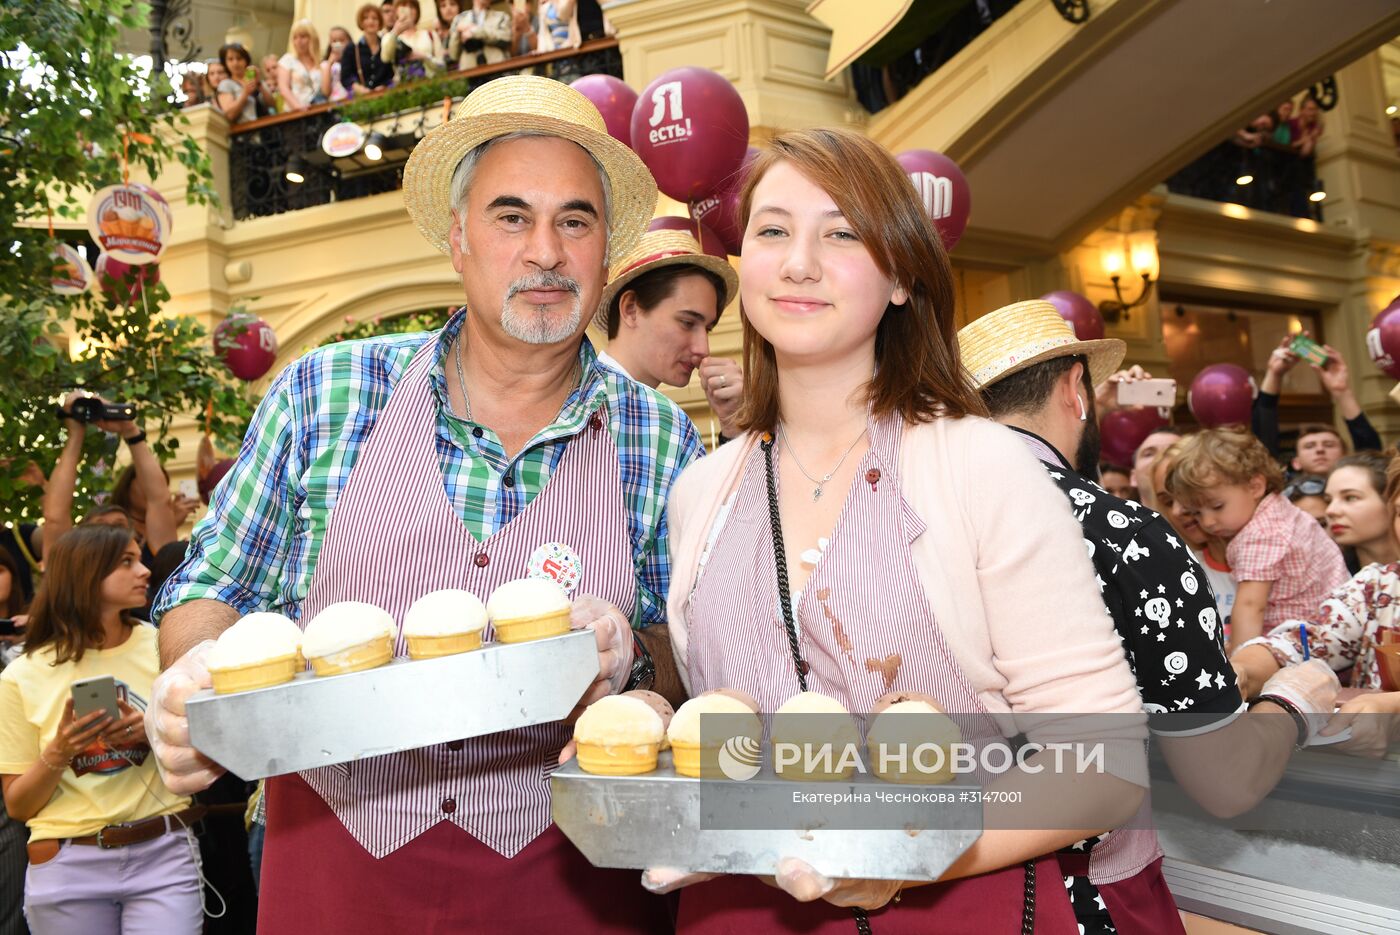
<point>557,562</point>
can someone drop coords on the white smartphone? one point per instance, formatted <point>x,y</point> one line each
<point>1147,393</point>
<point>189,488</point>
<point>95,694</point>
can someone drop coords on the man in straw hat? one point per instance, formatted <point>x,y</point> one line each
<point>494,449</point>
<point>658,311</point>
<point>1038,379</point>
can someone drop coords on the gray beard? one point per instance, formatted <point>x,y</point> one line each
<point>539,324</point>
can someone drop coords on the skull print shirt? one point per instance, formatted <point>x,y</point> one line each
<point>1160,601</point>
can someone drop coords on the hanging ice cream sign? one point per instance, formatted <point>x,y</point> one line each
<point>71,273</point>
<point>130,223</point>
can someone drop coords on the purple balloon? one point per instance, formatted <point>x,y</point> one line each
<point>1123,430</point>
<point>1082,314</point>
<point>943,189</point>
<point>246,344</point>
<point>691,129</point>
<point>122,283</point>
<point>1383,339</point>
<point>614,99</point>
<point>1222,394</point>
<point>709,240</point>
<point>720,211</point>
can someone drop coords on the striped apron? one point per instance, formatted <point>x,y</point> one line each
<point>866,628</point>
<point>457,836</point>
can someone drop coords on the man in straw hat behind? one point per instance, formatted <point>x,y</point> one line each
<point>658,310</point>
<point>1038,379</point>
<point>493,449</point>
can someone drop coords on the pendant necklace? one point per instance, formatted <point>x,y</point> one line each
<point>817,491</point>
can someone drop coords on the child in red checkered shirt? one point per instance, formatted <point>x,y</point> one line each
<point>1283,563</point>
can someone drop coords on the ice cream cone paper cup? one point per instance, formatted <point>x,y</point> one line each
<point>525,629</point>
<point>430,647</point>
<point>609,760</point>
<point>257,675</point>
<point>356,658</point>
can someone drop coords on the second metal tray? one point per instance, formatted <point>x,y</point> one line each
<point>660,819</point>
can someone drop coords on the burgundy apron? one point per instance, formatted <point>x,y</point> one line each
<point>456,836</point>
<point>866,628</point>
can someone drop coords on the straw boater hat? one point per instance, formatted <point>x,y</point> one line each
<point>661,248</point>
<point>513,104</point>
<point>1022,335</point>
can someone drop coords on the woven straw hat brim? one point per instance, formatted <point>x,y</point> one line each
<point>1105,357</point>
<point>713,264</point>
<point>1024,334</point>
<point>427,178</point>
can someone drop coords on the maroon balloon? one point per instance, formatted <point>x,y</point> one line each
<point>1123,430</point>
<point>614,99</point>
<point>1082,314</point>
<point>1222,394</point>
<point>1383,339</point>
<point>720,211</point>
<point>209,481</point>
<point>944,191</point>
<point>691,129</point>
<point>709,240</point>
<point>122,283</point>
<point>246,344</point>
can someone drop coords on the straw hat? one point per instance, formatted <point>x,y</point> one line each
<point>513,104</point>
<point>1022,335</point>
<point>658,249</point>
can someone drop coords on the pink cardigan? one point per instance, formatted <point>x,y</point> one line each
<point>1004,566</point>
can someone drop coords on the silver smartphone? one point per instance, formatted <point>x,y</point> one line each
<point>95,694</point>
<point>1147,393</point>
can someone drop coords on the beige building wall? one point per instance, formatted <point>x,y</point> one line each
<point>315,270</point>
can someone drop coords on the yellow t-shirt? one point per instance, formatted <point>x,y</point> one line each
<point>101,787</point>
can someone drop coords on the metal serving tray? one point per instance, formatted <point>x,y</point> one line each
<point>316,721</point>
<point>660,819</point>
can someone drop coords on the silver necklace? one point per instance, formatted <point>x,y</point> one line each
<point>817,491</point>
<point>462,381</point>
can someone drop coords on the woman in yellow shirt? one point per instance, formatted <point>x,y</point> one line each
<point>109,846</point>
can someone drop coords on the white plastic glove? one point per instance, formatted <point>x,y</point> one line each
<point>662,880</point>
<point>614,632</point>
<point>183,769</point>
<point>804,884</point>
<point>1312,687</point>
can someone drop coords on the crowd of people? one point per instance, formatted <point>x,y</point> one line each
<point>396,45</point>
<point>860,424</point>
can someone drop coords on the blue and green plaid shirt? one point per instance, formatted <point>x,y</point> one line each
<point>257,546</point>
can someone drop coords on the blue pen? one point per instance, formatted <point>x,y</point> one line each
<point>1303,632</point>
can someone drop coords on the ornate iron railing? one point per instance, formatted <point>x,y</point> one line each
<point>261,151</point>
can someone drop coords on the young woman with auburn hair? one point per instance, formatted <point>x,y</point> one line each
<point>109,845</point>
<point>872,533</point>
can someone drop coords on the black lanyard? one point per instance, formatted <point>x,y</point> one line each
<point>800,666</point>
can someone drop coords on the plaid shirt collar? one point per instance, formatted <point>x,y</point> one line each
<point>578,406</point>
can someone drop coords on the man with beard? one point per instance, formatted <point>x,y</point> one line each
<point>493,449</point>
<point>1038,379</point>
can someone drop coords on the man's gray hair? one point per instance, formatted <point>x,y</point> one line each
<point>466,171</point>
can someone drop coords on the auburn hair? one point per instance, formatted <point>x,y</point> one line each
<point>1220,456</point>
<point>67,609</point>
<point>919,374</point>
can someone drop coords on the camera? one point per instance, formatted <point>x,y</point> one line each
<point>88,409</point>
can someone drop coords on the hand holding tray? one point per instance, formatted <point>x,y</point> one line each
<point>321,721</point>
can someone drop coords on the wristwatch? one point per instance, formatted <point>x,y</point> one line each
<point>643,674</point>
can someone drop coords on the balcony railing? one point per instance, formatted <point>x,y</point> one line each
<point>1270,177</point>
<point>262,151</point>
